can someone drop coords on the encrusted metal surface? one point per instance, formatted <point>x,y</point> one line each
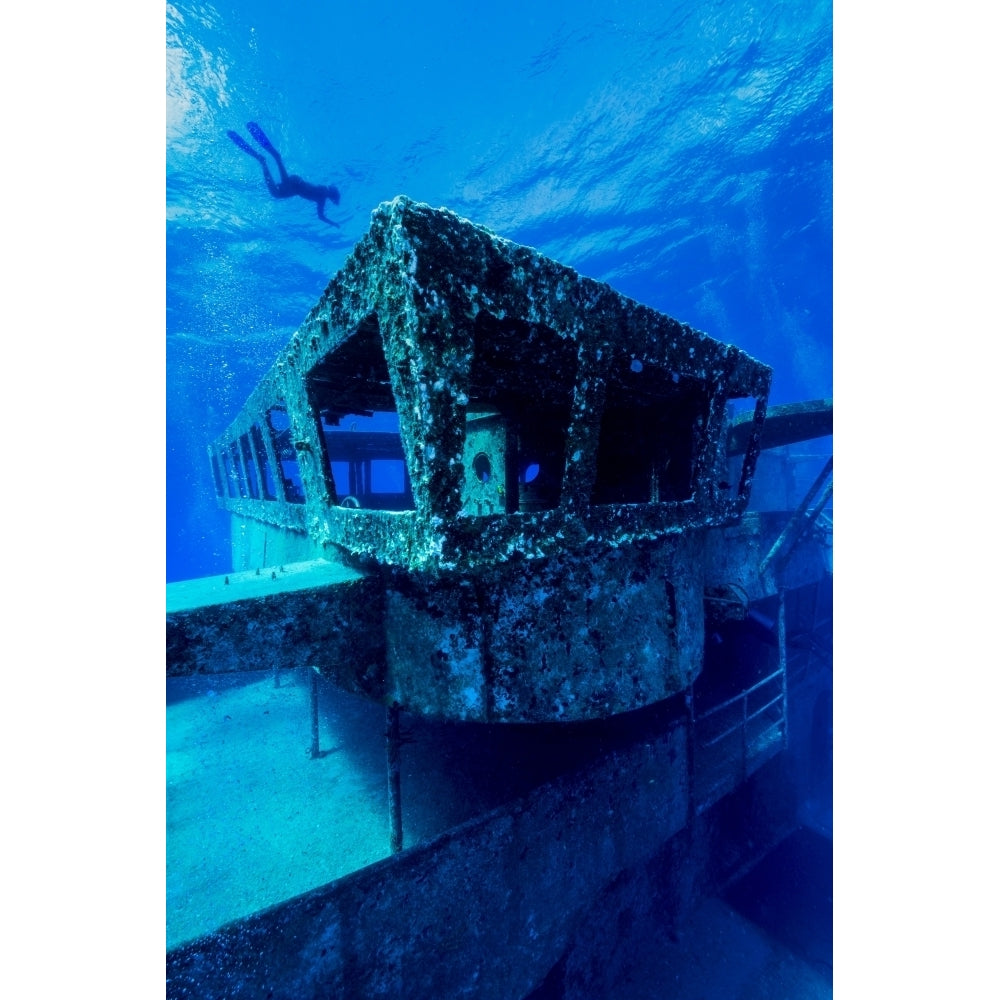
<point>440,321</point>
<point>463,915</point>
<point>571,474</point>
<point>302,615</point>
<point>556,453</point>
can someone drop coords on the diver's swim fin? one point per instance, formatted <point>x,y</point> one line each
<point>258,133</point>
<point>243,144</point>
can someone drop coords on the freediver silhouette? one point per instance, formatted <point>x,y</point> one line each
<point>290,185</point>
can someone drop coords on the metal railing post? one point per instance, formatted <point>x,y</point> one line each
<point>314,712</point>
<point>392,743</point>
<point>783,664</point>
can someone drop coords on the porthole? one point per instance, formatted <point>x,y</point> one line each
<point>481,467</point>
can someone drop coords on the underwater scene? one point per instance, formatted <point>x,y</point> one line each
<point>499,500</point>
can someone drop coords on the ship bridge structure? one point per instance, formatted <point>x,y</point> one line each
<point>527,512</point>
<point>506,472</point>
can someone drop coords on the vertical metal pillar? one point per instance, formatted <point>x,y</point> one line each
<point>692,762</point>
<point>783,662</point>
<point>743,735</point>
<point>314,712</point>
<point>392,743</point>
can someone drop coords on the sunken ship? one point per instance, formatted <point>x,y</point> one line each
<point>477,486</point>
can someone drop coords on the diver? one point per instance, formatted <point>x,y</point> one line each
<point>290,185</point>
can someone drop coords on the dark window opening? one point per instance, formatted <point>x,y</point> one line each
<point>541,448</point>
<point>350,391</point>
<point>227,471</point>
<point>366,462</point>
<point>237,466</point>
<point>738,410</point>
<point>294,491</point>
<point>281,435</point>
<point>217,476</point>
<point>525,373</point>
<point>250,467</point>
<point>652,429</point>
<point>268,488</point>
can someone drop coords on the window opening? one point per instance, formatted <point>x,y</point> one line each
<point>227,471</point>
<point>237,466</point>
<point>738,409</point>
<point>350,391</point>
<point>250,467</point>
<point>217,476</point>
<point>365,454</point>
<point>651,431</point>
<point>281,435</point>
<point>522,376</point>
<point>268,489</point>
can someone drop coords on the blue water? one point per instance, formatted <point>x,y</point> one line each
<point>681,152</point>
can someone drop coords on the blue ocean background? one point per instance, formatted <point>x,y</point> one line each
<point>681,152</point>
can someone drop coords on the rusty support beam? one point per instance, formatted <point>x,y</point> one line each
<point>788,423</point>
<point>783,662</point>
<point>800,518</point>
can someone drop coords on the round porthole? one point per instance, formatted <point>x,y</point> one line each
<point>481,467</point>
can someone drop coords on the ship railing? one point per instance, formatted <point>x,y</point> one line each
<point>733,738</point>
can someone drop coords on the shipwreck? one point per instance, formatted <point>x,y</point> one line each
<point>478,486</point>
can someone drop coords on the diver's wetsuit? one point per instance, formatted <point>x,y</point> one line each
<point>289,185</point>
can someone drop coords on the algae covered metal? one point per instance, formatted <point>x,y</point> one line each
<point>478,486</point>
<point>525,459</point>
